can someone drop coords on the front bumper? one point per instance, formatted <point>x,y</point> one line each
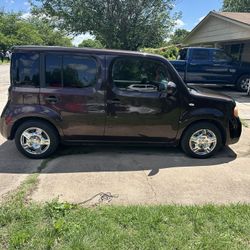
<point>235,129</point>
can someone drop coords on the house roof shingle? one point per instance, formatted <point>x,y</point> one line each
<point>236,16</point>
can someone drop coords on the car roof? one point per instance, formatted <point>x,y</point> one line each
<point>201,48</point>
<point>82,50</point>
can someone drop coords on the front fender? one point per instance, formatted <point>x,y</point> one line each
<point>213,115</point>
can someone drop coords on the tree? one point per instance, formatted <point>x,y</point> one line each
<point>178,36</point>
<point>119,24</point>
<point>236,5</point>
<point>48,34</point>
<point>15,30</point>
<point>90,43</point>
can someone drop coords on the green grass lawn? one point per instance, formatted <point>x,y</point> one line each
<point>4,62</point>
<point>27,225</point>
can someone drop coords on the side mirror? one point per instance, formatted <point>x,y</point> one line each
<point>163,86</point>
<point>171,88</point>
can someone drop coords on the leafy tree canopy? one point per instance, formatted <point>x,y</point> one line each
<point>123,24</point>
<point>91,43</point>
<point>236,5</point>
<point>178,36</point>
<point>15,30</point>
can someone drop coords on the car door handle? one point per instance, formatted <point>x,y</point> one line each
<point>52,99</point>
<point>193,64</point>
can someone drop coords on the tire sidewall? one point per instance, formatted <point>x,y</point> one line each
<point>53,136</point>
<point>191,130</point>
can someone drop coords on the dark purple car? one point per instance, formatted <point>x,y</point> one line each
<point>68,95</point>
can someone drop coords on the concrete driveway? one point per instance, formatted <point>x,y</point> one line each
<point>133,175</point>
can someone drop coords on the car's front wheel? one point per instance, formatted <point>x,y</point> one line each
<point>201,140</point>
<point>36,139</point>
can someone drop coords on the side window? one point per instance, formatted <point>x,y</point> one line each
<point>53,70</point>
<point>139,74</point>
<point>79,72</point>
<point>70,71</point>
<point>220,56</point>
<point>200,54</point>
<point>26,67</point>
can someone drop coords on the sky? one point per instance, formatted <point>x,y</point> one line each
<point>193,11</point>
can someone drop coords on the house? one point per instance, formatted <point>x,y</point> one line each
<point>227,30</point>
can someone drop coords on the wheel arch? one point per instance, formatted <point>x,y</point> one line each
<point>214,122</point>
<point>30,118</point>
<point>241,75</point>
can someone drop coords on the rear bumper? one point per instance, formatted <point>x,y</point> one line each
<point>234,131</point>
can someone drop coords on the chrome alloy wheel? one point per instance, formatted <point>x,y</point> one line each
<point>203,142</point>
<point>245,83</point>
<point>35,141</point>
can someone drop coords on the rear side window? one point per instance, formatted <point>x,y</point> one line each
<point>70,71</point>
<point>25,69</point>
<point>220,56</point>
<point>200,54</point>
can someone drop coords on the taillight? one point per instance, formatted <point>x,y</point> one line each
<point>8,119</point>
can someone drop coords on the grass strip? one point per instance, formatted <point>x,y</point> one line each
<point>56,225</point>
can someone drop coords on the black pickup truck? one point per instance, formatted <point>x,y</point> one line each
<point>212,66</point>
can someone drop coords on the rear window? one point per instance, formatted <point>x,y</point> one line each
<point>25,69</point>
<point>70,71</point>
<point>200,54</point>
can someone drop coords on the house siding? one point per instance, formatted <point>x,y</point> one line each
<point>218,30</point>
<point>246,53</point>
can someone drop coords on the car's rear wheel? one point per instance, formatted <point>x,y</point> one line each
<point>243,83</point>
<point>36,139</point>
<point>201,140</point>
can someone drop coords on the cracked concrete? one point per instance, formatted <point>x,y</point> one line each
<point>160,176</point>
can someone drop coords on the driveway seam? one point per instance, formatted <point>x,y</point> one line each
<point>150,186</point>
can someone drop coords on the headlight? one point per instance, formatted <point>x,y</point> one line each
<point>236,112</point>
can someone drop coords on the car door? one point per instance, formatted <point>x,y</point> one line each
<point>73,91</point>
<point>136,108</point>
<point>223,67</point>
<point>200,66</point>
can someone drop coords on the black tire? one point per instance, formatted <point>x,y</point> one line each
<point>185,142</point>
<point>241,85</point>
<point>50,132</point>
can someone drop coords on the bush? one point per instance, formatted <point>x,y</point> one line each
<point>170,52</point>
